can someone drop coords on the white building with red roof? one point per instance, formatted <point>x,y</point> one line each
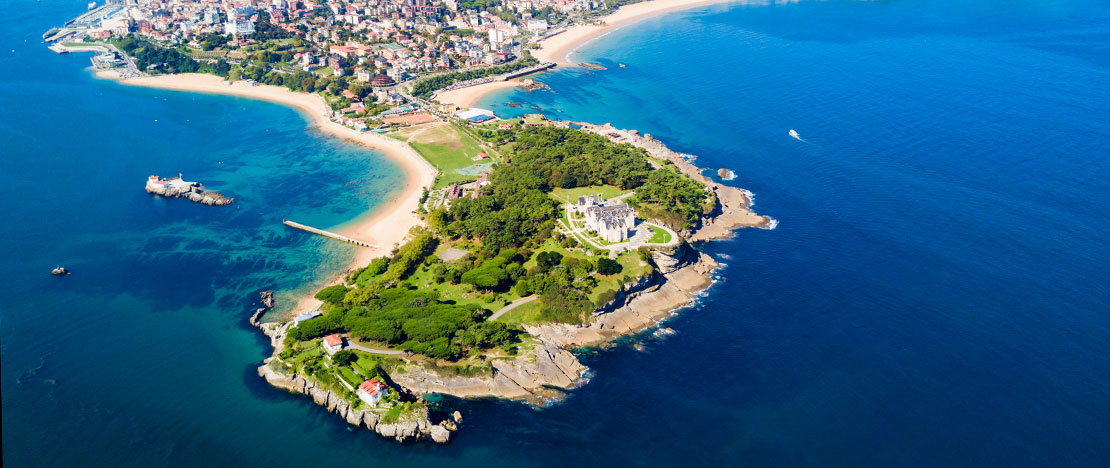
<point>333,343</point>
<point>371,392</point>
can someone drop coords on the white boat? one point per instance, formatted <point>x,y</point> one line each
<point>794,133</point>
<point>59,271</point>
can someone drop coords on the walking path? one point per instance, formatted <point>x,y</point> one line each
<point>515,304</point>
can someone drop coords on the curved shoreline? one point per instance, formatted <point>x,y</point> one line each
<point>386,224</point>
<point>557,48</point>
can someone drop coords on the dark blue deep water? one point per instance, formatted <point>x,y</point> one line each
<point>937,291</point>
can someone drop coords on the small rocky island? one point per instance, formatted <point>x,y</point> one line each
<point>180,188</point>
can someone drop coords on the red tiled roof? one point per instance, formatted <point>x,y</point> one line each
<point>333,340</point>
<point>371,386</point>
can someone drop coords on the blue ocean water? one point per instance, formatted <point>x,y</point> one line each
<point>936,292</point>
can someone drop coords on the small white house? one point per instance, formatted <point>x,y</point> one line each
<point>333,343</point>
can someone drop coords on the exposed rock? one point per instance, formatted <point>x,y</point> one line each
<point>440,434</point>
<point>732,212</point>
<point>545,366</point>
<point>256,317</point>
<point>457,416</point>
<point>687,272</point>
<point>387,430</point>
<point>267,299</point>
<point>175,187</point>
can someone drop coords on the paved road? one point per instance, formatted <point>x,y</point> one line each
<point>515,304</point>
<point>352,345</point>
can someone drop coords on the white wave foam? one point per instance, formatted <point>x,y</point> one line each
<point>771,225</point>
<point>751,197</point>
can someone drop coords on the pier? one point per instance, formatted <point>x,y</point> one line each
<point>330,234</point>
<point>526,71</point>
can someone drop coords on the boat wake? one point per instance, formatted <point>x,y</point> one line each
<point>794,134</point>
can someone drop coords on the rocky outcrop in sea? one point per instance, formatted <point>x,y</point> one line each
<point>176,187</point>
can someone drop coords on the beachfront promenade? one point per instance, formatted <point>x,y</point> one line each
<point>330,234</point>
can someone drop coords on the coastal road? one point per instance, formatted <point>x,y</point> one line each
<point>515,304</point>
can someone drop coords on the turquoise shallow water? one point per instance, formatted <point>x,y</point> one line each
<point>935,293</point>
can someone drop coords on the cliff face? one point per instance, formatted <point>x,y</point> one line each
<point>681,275</point>
<point>529,375</point>
<point>410,428</point>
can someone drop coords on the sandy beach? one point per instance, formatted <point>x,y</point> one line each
<point>467,97</point>
<point>386,225</point>
<point>556,48</point>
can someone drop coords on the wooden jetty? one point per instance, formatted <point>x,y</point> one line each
<point>338,237</point>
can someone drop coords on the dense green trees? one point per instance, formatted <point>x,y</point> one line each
<point>333,294</point>
<point>425,87</point>
<point>672,198</point>
<point>149,57</point>
<point>566,158</point>
<point>417,320</point>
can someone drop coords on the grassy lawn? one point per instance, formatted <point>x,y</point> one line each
<point>660,236</point>
<point>571,195</point>
<point>551,246</point>
<point>631,266</point>
<point>527,313</point>
<point>349,376</point>
<point>535,119</point>
<point>365,364</point>
<point>446,147</point>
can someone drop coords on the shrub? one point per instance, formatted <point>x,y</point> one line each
<point>606,266</point>
<point>332,294</point>
<point>344,357</point>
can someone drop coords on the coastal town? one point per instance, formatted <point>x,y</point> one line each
<point>514,241</point>
<point>365,58</point>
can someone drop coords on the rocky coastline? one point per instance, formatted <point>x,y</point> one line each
<point>409,428</point>
<point>547,368</point>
